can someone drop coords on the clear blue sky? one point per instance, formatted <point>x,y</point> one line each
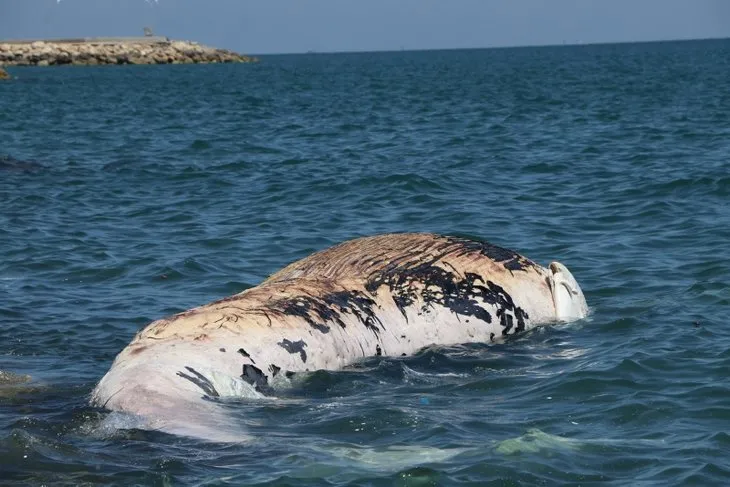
<point>274,26</point>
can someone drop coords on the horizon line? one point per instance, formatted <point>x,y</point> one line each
<point>515,46</point>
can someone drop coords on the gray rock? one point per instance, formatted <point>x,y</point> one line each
<point>115,51</point>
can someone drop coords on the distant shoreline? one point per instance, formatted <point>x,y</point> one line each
<point>93,51</point>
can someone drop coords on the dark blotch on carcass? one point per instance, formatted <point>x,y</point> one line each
<point>358,304</point>
<point>199,380</point>
<point>246,354</point>
<point>511,260</point>
<point>254,376</point>
<point>294,347</point>
<point>310,309</point>
<point>433,285</point>
<point>320,311</point>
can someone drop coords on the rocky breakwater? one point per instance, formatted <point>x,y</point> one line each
<point>89,52</point>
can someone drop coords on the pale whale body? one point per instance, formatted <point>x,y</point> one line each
<point>389,295</point>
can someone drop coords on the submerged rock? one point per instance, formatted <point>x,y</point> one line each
<point>4,74</point>
<point>8,163</point>
<point>10,379</point>
<point>15,388</point>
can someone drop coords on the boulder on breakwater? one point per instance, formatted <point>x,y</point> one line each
<point>96,51</point>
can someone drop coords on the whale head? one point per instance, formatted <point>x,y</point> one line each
<point>570,304</point>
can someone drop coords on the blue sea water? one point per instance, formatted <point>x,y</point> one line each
<point>130,193</point>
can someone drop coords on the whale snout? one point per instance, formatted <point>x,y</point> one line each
<point>568,298</point>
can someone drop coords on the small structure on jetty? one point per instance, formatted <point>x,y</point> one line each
<point>92,51</point>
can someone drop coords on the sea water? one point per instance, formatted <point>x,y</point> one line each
<point>129,193</point>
